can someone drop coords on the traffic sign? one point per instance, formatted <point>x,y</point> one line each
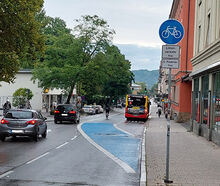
<point>170,51</point>
<point>171,31</point>
<point>170,63</point>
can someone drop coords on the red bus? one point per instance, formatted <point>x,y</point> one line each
<point>137,107</point>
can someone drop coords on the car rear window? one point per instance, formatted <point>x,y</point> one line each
<point>19,115</point>
<point>65,107</point>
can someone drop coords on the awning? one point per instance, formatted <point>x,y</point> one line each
<point>207,68</point>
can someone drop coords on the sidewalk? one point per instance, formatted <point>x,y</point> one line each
<point>194,161</point>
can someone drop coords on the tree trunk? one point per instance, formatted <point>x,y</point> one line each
<point>70,93</point>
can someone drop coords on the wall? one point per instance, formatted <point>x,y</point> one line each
<point>23,80</point>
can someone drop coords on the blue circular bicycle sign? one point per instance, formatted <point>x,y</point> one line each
<point>171,31</point>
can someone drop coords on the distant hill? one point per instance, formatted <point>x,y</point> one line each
<point>149,77</point>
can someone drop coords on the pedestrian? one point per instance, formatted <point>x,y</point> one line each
<point>159,110</point>
<point>6,106</point>
<point>54,105</point>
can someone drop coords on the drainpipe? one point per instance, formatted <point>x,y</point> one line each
<point>187,41</point>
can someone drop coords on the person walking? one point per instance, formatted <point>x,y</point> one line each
<point>159,111</point>
<point>6,107</point>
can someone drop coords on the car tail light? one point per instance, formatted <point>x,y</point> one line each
<point>31,122</point>
<point>56,111</point>
<point>3,121</point>
<point>72,112</point>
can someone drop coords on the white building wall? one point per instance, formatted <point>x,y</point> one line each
<point>23,80</point>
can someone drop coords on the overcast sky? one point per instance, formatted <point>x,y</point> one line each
<point>136,23</point>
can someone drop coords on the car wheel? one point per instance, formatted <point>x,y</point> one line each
<point>55,121</point>
<point>44,135</point>
<point>2,138</point>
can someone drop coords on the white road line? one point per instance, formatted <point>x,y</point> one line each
<point>116,126</point>
<point>62,145</point>
<point>48,130</point>
<point>143,168</point>
<point>38,158</point>
<point>124,165</point>
<point>6,174</point>
<point>89,120</point>
<point>73,138</point>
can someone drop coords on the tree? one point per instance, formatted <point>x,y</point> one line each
<point>143,88</point>
<point>19,34</point>
<point>153,90</point>
<point>68,57</point>
<point>94,33</point>
<point>21,97</point>
<point>118,71</point>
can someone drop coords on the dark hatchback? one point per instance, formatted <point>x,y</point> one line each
<point>23,122</point>
<point>66,112</point>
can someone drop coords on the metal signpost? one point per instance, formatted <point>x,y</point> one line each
<point>171,32</point>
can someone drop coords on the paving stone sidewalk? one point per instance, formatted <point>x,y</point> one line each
<point>194,161</point>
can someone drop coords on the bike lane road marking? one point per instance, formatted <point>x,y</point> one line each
<point>116,144</point>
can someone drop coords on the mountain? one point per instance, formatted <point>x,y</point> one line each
<point>149,77</point>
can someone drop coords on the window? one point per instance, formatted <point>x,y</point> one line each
<point>216,99</point>
<point>199,38</point>
<point>196,99</point>
<point>208,35</point>
<point>205,91</point>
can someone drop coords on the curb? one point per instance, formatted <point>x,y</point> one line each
<point>143,161</point>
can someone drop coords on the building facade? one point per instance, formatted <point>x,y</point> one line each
<point>206,70</point>
<point>41,100</point>
<point>184,12</point>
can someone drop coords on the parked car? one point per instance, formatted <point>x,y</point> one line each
<point>89,109</point>
<point>66,112</point>
<point>23,122</point>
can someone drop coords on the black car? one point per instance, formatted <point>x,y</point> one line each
<point>66,112</point>
<point>23,122</point>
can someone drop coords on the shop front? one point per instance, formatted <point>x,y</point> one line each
<point>206,103</point>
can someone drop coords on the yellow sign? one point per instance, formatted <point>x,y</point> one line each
<point>46,90</point>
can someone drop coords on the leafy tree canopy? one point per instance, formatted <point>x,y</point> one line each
<point>19,34</point>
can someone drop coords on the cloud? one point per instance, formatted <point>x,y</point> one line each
<point>136,23</point>
<point>141,57</point>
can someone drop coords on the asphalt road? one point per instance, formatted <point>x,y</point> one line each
<point>75,155</point>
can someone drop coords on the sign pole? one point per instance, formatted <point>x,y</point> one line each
<point>166,180</point>
<point>171,32</point>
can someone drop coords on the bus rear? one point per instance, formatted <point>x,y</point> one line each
<point>137,107</point>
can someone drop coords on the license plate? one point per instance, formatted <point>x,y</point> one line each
<point>136,108</point>
<point>64,114</point>
<point>17,131</point>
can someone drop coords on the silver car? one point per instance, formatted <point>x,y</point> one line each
<point>89,109</point>
<point>23,122</point>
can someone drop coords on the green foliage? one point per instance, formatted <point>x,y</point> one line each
<point>86,59</point>
<point>19,34</point>
<point>20,96</point>
<point>153,90</point>
<point>143,88</point>
<point>94,33</point>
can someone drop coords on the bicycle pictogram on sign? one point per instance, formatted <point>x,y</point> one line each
<point>171,31</point>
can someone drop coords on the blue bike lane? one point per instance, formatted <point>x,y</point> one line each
<point>120,146</point>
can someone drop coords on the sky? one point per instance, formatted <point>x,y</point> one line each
<point>136,23</point>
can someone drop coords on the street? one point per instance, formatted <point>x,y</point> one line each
<point>109,155</point>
